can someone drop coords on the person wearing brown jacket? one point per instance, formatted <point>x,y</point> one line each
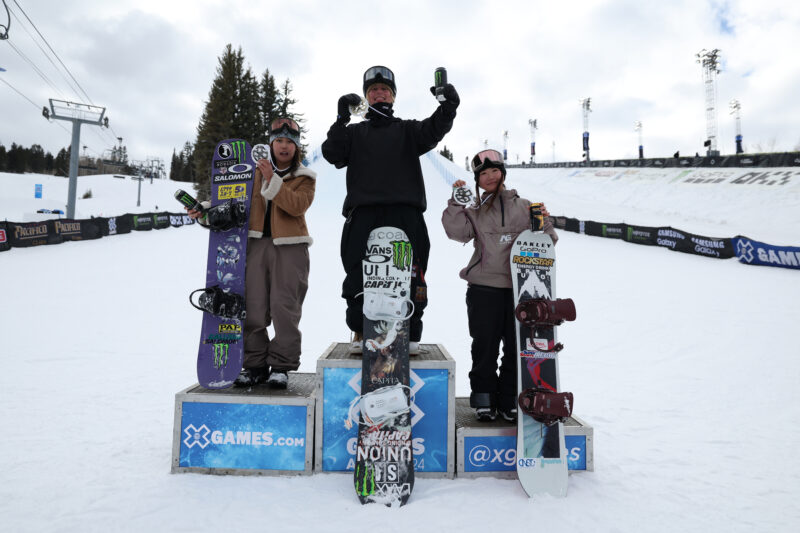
<point>277,263</point>
<point>492,222</point>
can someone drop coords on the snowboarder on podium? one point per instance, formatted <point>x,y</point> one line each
<point>385,186</point>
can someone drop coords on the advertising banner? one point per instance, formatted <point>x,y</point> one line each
<point>243,436</point>
<point>429,409</point>
<point>143,222</point>
<point>752,252</point>
<point>499,453</point>
<point>32,234</point>
<point>5,245</point>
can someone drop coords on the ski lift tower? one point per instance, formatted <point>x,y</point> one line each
<point>534,127</point>
<point>78,114</point>
<point>505,145</point>
<point>710,63</point>
<point>586,106</point>
<point>736,111</point>
<point>637,127</point>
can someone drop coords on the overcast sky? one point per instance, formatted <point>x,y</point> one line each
<point>151,64</point>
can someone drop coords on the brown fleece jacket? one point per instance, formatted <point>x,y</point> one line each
<point>291,196</point>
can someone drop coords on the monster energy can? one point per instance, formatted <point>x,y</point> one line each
<point>537,218</point>
<point>439,81</point>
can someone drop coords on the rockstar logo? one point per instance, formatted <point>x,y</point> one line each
<point>744,249</point>
<point>196,436</point>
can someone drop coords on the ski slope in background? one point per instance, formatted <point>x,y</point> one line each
<point>685,366</point>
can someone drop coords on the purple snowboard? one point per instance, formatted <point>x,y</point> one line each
<point>219,359</point>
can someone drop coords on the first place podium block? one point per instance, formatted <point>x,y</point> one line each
<point>256,430</point>
<point>432,411</point>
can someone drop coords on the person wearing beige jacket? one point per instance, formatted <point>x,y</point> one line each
<point>491,223</point>
<point>276,277</point>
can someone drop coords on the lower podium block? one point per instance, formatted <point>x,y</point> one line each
<point>245,431</point>
<point>433,410</point>
<point>490,448</point>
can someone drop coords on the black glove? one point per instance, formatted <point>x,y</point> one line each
<point>451,99</point>
<point>344,106</point>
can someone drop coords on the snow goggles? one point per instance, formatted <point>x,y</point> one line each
<point>379,74</point>
<point>284,127</point>
<point>486,158</point>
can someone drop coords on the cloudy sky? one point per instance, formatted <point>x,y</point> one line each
<point>151,63</point>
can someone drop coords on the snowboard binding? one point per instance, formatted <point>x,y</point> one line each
<point>541,312</point>
<point>227,215</point>
<point>219,302</point>
<point>546,406</point>
<point>386,306</point>
<point>379,406</point>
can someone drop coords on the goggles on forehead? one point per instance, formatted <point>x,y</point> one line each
<point>486,158</point>
<point>374,72</point>
<point>284,127</point>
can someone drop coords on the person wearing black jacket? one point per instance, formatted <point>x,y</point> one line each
<point>385,186</point>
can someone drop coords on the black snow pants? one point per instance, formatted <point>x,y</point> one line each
<point>360,222</point>
<point>490,312</point>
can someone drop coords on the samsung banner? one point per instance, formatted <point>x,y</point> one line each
<point>341,387</point>
<point>243,436</point>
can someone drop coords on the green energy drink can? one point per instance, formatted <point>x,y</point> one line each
<point>439,81</point>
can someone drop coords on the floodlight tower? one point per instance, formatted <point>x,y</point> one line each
<point>505,145</point>
<point>534,127</point>
<point>637,127</point>
<point>710,63</point>
<point>736,111</point>
<point>77,114</point>
<point>586,106</point>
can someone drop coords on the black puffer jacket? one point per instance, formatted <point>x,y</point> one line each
<point>382,157</point>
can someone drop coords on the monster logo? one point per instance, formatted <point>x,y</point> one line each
<point>365,480</point>
<point>401,254</point>
<point>238,151</point>
<point>220,355</point>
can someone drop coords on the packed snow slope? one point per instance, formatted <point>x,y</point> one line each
<point>686,367</point>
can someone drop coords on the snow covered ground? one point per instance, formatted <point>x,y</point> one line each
<point>686,367</point>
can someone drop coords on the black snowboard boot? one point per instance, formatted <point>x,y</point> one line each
<point>483,402</point>
<point>251,376</point>
<point>278,378</point>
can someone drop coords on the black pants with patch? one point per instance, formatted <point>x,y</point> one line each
<point>357,227</point>
<point>490,312</point>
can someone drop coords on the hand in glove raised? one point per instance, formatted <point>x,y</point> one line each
<point>344,106</point>
<point>451,99</point>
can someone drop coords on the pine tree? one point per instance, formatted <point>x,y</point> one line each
<point>447,153</point>
<point>187,159</point>
<point>61,164</point>
<point>285,102</point>
<point>175,167</point>
<point>219,116</point>
<point>268,105</point>
<point>3,158</point>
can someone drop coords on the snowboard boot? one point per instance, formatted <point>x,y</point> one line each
<point>509,415</point>
<point>251,376</point>
<point>483,404</point>
<point>278,378</point>
<point>486,414</point>
<point>357,343</point>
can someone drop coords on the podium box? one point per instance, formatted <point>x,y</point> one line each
<point>246,431</point>
<point>490,448</point>
<point>432,382</point>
